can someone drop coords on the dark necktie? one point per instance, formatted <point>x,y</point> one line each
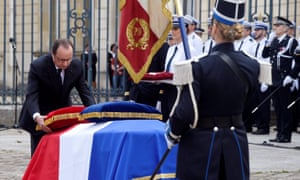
<point>171,59</point>
<point>241,45</point>
<point>59,76</point>
<point>276,42</point>
<point>256,51</point>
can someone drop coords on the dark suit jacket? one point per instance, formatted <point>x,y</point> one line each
<point>45,94</point>
<point>85,59</point>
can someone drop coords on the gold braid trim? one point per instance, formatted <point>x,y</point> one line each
<point>135,115</point>
<point>59,117</point>
<point>157,176</point>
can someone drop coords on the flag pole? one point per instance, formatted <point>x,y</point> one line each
<point>183,30</point>
<point>187,56</point>
<point>160,163</point>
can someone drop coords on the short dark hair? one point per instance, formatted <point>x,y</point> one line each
<point>113,45</point>
<point>61,42</point>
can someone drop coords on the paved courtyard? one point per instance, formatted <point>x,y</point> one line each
<point>270,161</point>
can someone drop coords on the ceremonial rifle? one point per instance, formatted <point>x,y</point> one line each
<point>267,98</point>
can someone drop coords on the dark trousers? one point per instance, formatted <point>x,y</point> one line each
<point>295,110</point>
<point>145,93</point>
<point>264,112</point>
<point>284,118</point>
<point>34,140</point>
<point>249,117</point>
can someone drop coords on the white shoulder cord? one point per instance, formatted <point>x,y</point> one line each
<point>183,75</point>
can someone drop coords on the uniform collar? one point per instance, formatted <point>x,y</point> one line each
<point>248,38</point>
<point>224,47</point>
<point>281,37</point>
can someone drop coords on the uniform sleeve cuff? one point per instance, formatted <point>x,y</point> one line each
<point>35,115</point>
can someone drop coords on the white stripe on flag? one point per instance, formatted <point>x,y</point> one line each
<point>75,151</point>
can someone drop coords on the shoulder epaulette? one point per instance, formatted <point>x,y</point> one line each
<point>197,58</point>
<point>250,56</point>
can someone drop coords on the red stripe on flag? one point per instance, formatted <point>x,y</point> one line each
<point>46,152</point>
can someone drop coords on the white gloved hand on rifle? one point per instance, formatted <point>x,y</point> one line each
<point>263,87</point>
<point>171,138</point>
<point>287,80</point>
<point>295,85</point>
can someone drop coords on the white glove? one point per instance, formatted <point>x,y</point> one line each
<point>263,87</point>
<point>171,139</point>
<point>287,80</point>
<point>158,106</point>
<point>295,85</point>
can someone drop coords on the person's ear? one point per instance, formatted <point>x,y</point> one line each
<point>213,29</point>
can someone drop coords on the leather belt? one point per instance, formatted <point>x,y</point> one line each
<point>221,121</point>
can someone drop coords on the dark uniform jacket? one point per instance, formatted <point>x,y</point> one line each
<point>45,94</point>
<point>296,69</point>
<point>85,59</point>
<point>281,56</point>
<point>219,93</point>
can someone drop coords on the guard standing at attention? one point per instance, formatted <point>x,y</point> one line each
<point>209,43</point>
<point>247,43</point>
<point>218,147</point>
<point>281,53</point>
<point>263,114</point>
<point>175,54</point>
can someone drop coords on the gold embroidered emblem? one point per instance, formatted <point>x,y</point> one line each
<point>138,34</point>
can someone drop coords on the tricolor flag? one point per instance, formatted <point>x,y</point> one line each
<point>144,27</point>
<point>121,150</point>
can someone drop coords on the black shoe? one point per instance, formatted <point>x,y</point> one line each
<point>249,130</point>
<point>274,140</point>
<point>260,132</point>
<point>284,140</point>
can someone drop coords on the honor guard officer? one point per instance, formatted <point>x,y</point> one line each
<point>262,117</point>
<point>199,31</point>
<point>194,39</point>
<point>292,29</point>
<point>209,43</point>
<point>217,148</point>
<point>247,43</point>
<point>281,52</point>
<point>175,54</point>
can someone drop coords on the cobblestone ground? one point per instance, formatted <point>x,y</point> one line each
<point>15,155</point>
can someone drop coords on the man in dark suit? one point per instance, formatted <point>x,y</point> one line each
<point>89,53</point>
<point>51,79</point>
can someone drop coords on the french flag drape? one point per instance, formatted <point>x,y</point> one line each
<point>120,150</point>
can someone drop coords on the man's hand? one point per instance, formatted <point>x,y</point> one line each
<point>40,121</point>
